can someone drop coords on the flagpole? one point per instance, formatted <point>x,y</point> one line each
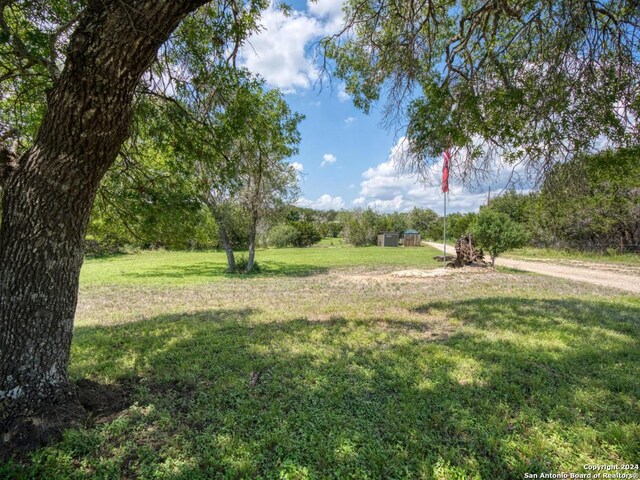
<point>445,189</point>
<point>444,258</point>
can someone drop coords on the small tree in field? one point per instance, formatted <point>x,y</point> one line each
<point>245,174</point>
<point>496,233</point>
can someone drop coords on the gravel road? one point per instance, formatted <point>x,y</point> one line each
<point>597,274</point>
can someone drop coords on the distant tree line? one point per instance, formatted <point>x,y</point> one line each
<point>591,203</point>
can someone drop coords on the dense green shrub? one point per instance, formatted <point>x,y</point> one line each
<point>281,236</point>
<point>360,227</point>
<point>358,233</point>
<point>308,234</point>
<point>496,233</point>
<point>330,229</point>
<point>294,234</point>
<point>241,265</point>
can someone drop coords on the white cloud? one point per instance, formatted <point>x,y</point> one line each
<point>343,96</point>
<point>349,120</point>
<point>395,204</point>
<point>277,52</point>
<point>386,190</point>
<point>325,8</point>
<point>325,202</point>
<point>281,51</point>
<point>330,12</point>
<point>328,159</point>
<point>297,166</point>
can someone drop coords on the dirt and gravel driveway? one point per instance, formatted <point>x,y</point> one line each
<point>621,277</point>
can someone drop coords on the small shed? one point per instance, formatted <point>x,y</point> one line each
<point>388,239</point>
<point>412,238</point>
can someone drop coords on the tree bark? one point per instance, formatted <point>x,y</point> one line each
<point>49,194</point>
<point>220,216</point>
<point>256,197</point>
<point>226,244</point>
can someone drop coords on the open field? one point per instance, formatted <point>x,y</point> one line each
<point>328,366</point>
<point>183,267</point>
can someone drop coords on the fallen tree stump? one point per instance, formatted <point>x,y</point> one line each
<point>467,254</point>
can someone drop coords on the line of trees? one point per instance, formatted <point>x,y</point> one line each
<point>591,203</point>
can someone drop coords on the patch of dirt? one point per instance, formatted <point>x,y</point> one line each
<point>103,402</point>
<point>86,403</point>
<point>438,272</point>
<point>402,275</point>
<point>24,434</point>
<point>441,272</point>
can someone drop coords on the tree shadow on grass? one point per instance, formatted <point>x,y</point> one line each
<point>218,270</point>
<point>521,386</point>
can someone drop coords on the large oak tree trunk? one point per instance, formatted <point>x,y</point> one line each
<point>49,194</point>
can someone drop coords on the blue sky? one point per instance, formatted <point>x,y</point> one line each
<point>346,158</point>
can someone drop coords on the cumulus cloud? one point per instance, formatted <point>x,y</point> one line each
<point>280,51</point>
<point>325,202</point>
<point>328,159</point>
<point>349,120</point>
<point>297,166</point>
<point>326,8</point>
<point>386,190</point>
<point>277,52</point>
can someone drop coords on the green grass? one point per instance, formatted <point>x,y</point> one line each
<point>556,254</point>
<point>180,267</point>
<point>331,242</point>
<point>363,375</point>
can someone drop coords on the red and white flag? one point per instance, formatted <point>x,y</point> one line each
<point>445,170</point>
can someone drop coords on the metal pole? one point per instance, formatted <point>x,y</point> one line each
<point>444,258</point>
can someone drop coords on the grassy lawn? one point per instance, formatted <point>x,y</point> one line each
<point>532,253</point>
<point>331,242</point>
<point>179,268</point>
<point>326,366</point>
